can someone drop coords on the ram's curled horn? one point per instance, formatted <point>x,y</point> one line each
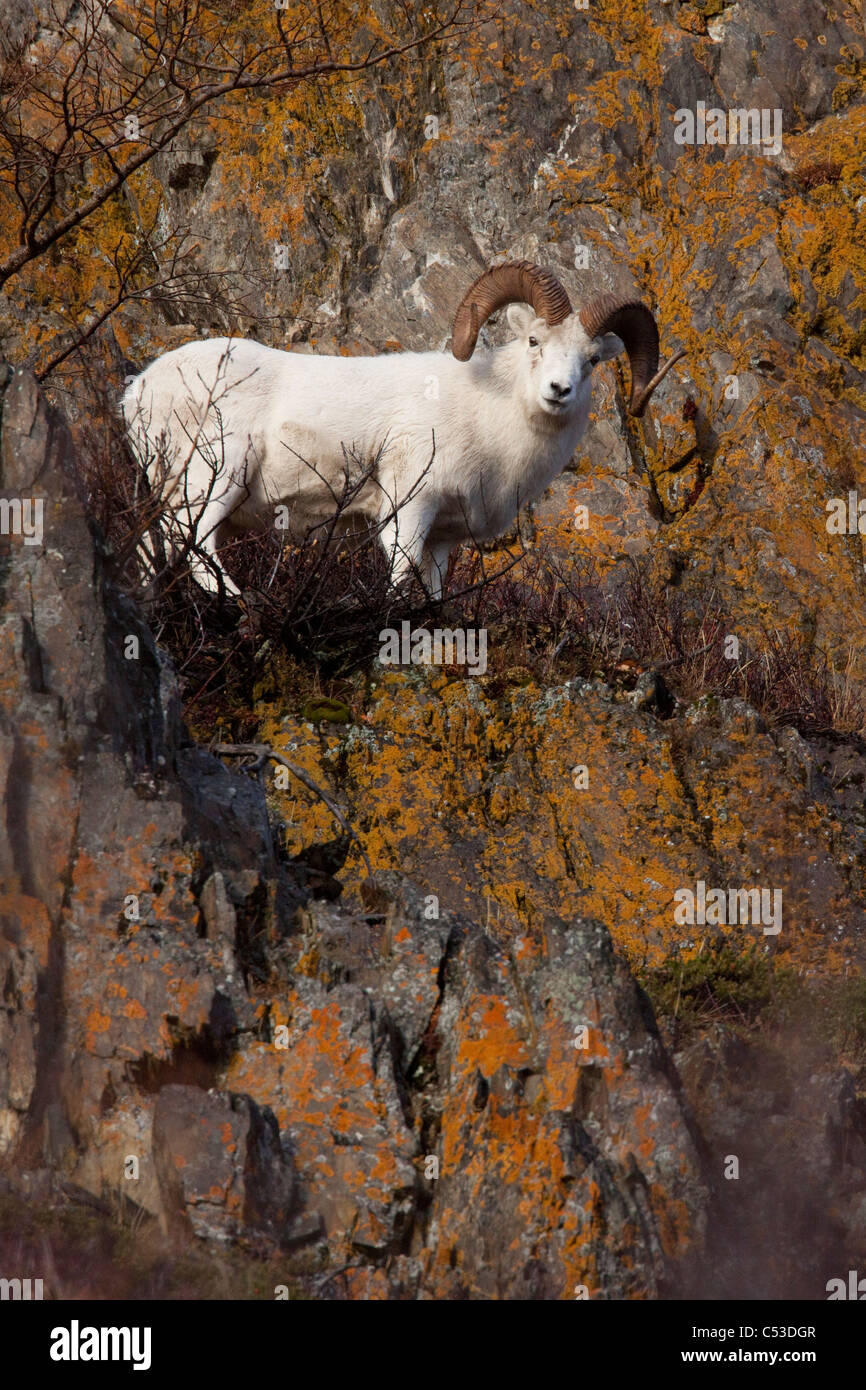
<point>633,322</point>
<point>514,282</point>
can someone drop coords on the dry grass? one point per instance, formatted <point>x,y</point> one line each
<point>85,1248</point>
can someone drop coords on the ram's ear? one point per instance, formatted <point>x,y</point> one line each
<point>520,318</point>
<point>609,345</point>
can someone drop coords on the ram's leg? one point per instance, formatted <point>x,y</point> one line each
<point>434,568</point>
<point>208,525</point>
<point>403,538</point>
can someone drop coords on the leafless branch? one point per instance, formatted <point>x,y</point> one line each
<point>262,753</point>
<point>65,115</point>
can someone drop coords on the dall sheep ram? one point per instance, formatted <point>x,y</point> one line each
<point>453,446</point>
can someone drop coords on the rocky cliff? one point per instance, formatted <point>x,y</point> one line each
<point>505,1066</point>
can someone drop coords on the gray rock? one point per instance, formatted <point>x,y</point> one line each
<point>220,1167</point>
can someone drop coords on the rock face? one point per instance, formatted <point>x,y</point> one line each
<point>461,1117</point>
<point>505,1115</point>
<point>117,979</point>
<point>220,1169</point>
<point>478,795</point>
<point>449,1108</point>
<point>448,1084</point>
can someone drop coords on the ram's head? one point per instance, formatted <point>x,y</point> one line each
<point>562,346</point>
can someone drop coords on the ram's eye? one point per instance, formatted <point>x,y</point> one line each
<point>533,342</point>
<point>594,361</point>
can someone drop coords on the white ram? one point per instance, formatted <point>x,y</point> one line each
<point>435,448</point>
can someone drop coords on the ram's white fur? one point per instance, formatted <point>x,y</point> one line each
<point>451,449</point>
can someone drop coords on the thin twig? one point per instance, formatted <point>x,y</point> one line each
<point>678,660</point>
<point>262,752</point>
<point>323,1280</point>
